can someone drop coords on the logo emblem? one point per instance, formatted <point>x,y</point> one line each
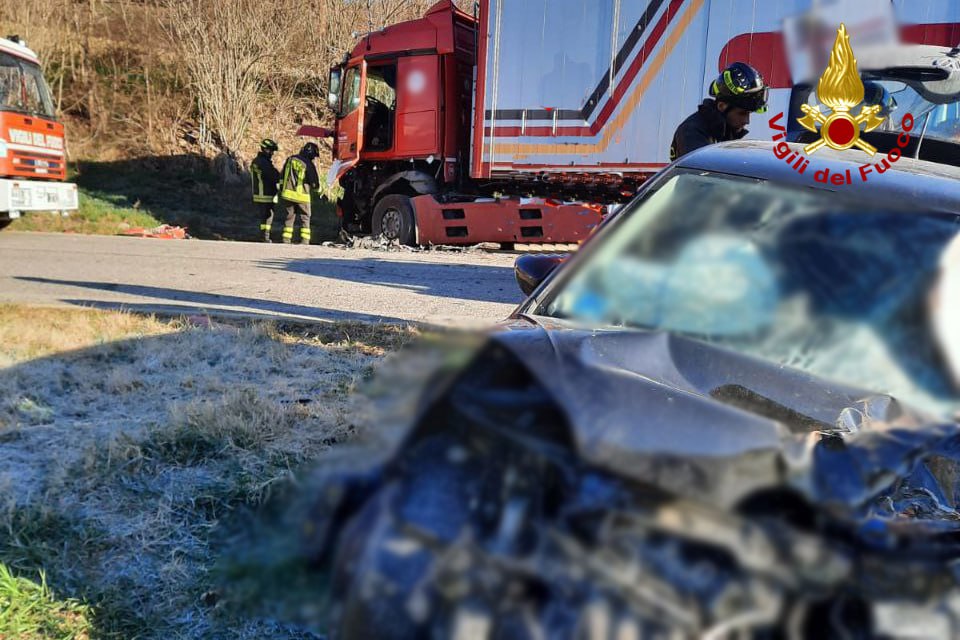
<point>841,89</point>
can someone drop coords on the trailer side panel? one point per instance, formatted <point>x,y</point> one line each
<point>601,85</point>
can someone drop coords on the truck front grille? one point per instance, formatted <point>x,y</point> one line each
<point>31,164</point>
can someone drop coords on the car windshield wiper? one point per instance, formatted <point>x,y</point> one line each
<point>530,318</point>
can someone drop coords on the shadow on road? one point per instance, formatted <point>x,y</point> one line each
<point>196,302</point>
<point>461,281</point>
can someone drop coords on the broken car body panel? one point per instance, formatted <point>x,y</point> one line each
<point>671,479</point>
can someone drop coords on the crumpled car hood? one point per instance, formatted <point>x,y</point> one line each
<point>550,479</point>
<point>714,425</point>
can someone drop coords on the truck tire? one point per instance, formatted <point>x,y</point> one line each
<point>5,223</point>
<point>393,219</point>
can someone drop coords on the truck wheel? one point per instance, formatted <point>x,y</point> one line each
<point>393,219</point>
<point>4,223</point>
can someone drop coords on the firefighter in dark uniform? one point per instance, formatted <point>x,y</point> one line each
<point>734,95</point>
<point>265,179</point>
<point>298,180</point>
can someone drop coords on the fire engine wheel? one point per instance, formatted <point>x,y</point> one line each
<point>393,219</point>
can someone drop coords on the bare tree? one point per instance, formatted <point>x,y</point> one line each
<point>227,48</point>
<point>232,71</point>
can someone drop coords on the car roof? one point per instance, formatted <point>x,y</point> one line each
<point>928,185</point>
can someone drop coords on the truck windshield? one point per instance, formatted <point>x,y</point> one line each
<point>22,88</point>
<point>798,277</point>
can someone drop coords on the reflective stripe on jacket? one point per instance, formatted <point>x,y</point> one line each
<point>299,176</point>
<point>264,179</point>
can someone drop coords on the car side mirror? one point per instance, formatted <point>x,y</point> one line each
<point>530,270</point>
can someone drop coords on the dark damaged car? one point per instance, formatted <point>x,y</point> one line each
<point>731,415</point>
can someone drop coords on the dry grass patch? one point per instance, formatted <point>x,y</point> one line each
<point>127,441</point>
<point>370,339</point>
<point>33,332</point>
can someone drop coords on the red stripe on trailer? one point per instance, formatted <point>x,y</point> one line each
<point>765,52</point>
<point>769,57</point>
<point>505,220</point>
<point>607,166</point>
<point>627,82</point>
<point>946,34</point>
<point>513,131</point>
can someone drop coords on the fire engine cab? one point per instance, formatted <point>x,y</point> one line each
<point>32,151</point>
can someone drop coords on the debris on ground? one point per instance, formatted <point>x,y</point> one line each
<point>163,232</point>
<point>380,243</point>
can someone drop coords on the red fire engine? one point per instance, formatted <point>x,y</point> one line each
<point>32,153</point>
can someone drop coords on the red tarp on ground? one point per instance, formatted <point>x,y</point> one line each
<point>163,232</point>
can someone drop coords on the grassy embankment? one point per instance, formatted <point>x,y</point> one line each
<point>127,440</point>
<point>142,150</point>
<point>118,196</point>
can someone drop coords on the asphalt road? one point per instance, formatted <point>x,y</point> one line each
<point>306,282</point>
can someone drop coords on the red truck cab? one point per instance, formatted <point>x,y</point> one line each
<point>32,149</point>
<point>404,104</point>
<point>402,100</point>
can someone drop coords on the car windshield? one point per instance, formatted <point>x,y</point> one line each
<point>797,277</point>
<point>22,87</point>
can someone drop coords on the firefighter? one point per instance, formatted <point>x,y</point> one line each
<point>299,177</point>
<point>265,179</point>
<point>734,95</point>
